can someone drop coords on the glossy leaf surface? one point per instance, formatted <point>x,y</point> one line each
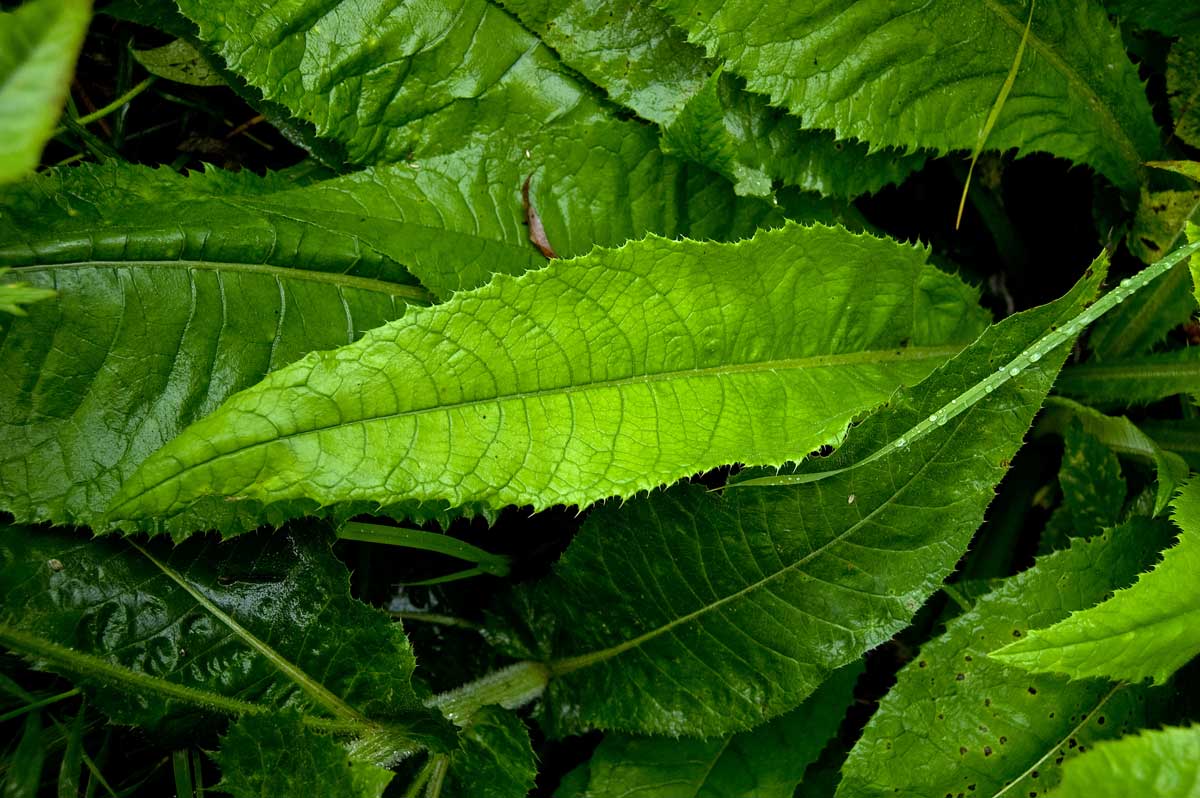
<point>600,376</point>
<point>913,74</point>
<point>1147,631</point>
<point>959,721</point>
<point>689,613</point>
<point>1159,763</point>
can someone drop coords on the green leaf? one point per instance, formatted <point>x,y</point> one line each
<point>24,770</point>
<point>180,62</point>
<point>39,43</point>
<point>1144,320</point>
<point>279,755</point>
<point>1183,87</point>
<point>1159,763</point>
<point>1160,217</point>
<point>766,762</point>
<point>1133,380</point>
<point>1165,16</point>
<point>1123,437</point>
<point>643,62</point>
<point>15,294</point>
<point>129,354</point>
<point>722,612</point>
<point>162,635</point>
<point>601,376</point>
<point>1149,630</point>
<point>1093,489</point>
<point>959,721</point>
<point>494,760</point>
<point>912,74</point>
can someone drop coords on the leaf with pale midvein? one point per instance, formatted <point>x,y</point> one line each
<point>129,354</point>
<point>766,762</point>
<point>279,755</point>
<point>690,613</point>
<point>600,376</point>
<point>1159,763</point>
<point>39,43</point>
<point>919,74</point>
<point>453,221</point>
<point>958,721</point>
<point>262,624</point>
<point>633,51</point>
<point>1149,630</point>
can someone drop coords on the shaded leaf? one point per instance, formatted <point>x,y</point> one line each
<point>180,62</point>
<point>1159,763</point>
<point>1149,630</point>
<point>766,762</point>
<point>279,755</point>
<point>689,613</point>
<point>39,43</point>
<point>600,376</point>
<point>1160,217</point>
<point>23,772</point>
<point>959,721</point>
<point>1165,16</point>
<point>1135,326</point>
<point>266,623</point>
<point>1133,380</point>
<point>642,61</point>
<point>1183,86</point>
<point>1093,490</point>
<point>910,74</point>
<point>494,759</point>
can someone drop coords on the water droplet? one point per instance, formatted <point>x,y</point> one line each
<point>850,499</point>
<point>1126,283</point>
<point>988,388</point>
<point>1035,357</point>
<point>933,417</point>
<point>1014,371</point>
<point>941,421</point>
<point>901,443</point>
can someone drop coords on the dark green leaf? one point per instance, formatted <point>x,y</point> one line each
<point>688,613</point>
<point>766,762</point>
<point>959,721</point>
<point>24,772</point>
<point>277,755</point>
<point>1183,86</point>
<point>1134,380</point>
<point>1093,490</point>
<point>494,759</point>
<point>1167,16</point>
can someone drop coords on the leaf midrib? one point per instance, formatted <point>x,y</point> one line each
<point>564,666</point>
<point>1037,43</point>
<point>868,357</point>
<point>412,293</point>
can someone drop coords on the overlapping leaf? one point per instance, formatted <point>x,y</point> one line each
<point>958,721</point>
<point>1147,631</point>
<point>1167,16</point>
<point>39,43</point>
<point>1134,380</point>
<point>689,613</point>
<point>600,376</point>
<point>766,762</point>
<point>164,637</point>
<point>914,74</point>
<point>494,758</point>
<point>633,51</point>
<point>1159,763</point>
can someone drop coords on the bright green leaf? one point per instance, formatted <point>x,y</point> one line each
<point>1160,763</point>
<point>39,43</point>
<point>915,74</point>
<point>959,721</point>
<point>722,612</point>
<point>14,294</point>
<point>278,755</point>
<point>766,762</point>
<point>1149,630</point>
<point>601,376</point>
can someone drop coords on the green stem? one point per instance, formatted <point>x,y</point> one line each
<point>115,105</point>
<point>509,687</point>
<point>45,702</point>
<point>494,564</point>
<point>441,763</point>
<point>432,617</point>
